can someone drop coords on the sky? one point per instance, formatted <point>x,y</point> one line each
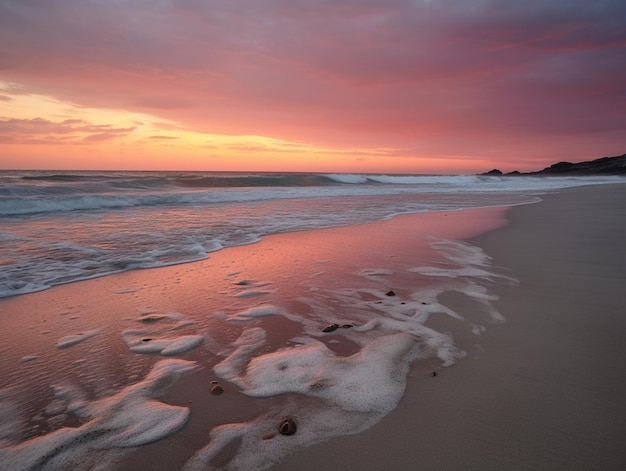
<point>393,86</point>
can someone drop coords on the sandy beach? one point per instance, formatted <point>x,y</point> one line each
<point>312,235</point>
<point>542,390</point>
<point>549,390</point>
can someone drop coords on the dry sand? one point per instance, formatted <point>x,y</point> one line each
<point>549,391</point>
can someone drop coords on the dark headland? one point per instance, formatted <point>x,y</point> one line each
<point>602,166</point>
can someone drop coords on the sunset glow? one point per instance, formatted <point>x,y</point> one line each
<point>347,86</point>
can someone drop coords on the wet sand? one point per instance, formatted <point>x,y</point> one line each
<point>549,390</point>
<point>83,334</point>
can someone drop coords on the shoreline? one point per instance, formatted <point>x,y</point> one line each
<point>548,392</point>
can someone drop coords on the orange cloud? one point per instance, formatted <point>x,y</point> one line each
<point>475,81</point>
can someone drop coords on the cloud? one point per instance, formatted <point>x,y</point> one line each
<point>39,130</point>
<point>401,73</point>
<point>105,136</point>
<point>164,138</point>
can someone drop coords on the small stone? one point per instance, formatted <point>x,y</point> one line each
<point>330,328</point>
<point>269,436</point>
<point>152,318</point>
<point>216,389</point>
<point>145,340</point>
<point>346,326</point>
<point>287,426</point>
<point>390,293</point>
<point>434,373</point>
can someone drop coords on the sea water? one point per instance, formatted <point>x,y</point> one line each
<point>94,398</point>
<point>62,227</point>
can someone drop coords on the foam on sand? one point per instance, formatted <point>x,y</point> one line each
<point>248,343</point>
<point>250,293</point>
<point>251,288</point>
<point>255,452</point>
<point>371,380</point>
<point>71,340</point>
<point>267,310</point>
<point>376,272</point>
<point>140,341</point>
<point>329,394</point>
<point>356,392</point>
<point>130,418</point>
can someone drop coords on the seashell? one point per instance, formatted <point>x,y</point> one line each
<point>269,435</point>
<point>287,426</point>
<point>330,328</point>
<point>346,326</point>
<point>216,389</point>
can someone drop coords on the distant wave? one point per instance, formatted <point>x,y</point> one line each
<point>234,180</point>
<point>360,179</point>
<point>269,180</point>
<point>55,178</point>
<point>28,193</point>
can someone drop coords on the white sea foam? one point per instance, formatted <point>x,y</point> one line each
<point>481,295</point>
<point>171,320</point>
<point>266,310</point>
<point>461,252</point>
<point>258,311</point>
<point>130,418</point>
<point>251,293</point>
<point>472,262</point>
<point>376,272</point>
<point>347,178</point>
<point>478,329</point>
<point>463,272</point>
<point>232,367</point>
<point>140,341</point>
<point>370,381</point>
<point>357,392</point>
<point>75,339</point>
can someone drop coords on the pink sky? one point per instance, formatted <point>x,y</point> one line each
<point>435,86</point>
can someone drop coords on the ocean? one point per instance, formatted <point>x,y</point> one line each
<point>61,227</point>
<point>238,361</point>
